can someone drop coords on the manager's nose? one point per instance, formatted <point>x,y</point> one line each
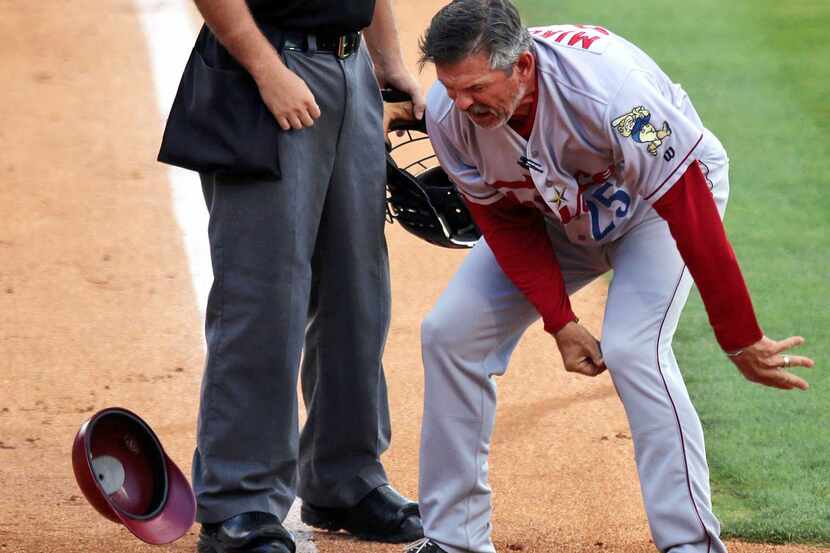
<point>463,101</point>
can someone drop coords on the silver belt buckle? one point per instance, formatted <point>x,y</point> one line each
<point>341,47</point>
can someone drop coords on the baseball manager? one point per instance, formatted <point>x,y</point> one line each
<point>577,155</point>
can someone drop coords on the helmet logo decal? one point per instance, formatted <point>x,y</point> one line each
<point>131,444</point>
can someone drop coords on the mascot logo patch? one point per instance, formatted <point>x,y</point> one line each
<point>637,125</point>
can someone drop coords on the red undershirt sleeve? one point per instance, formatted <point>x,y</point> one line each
<point>690,211</point>
<point>518,238</point>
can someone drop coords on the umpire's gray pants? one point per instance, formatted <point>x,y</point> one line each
<point>299,259</point>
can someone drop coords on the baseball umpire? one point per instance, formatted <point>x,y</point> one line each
<point>576,155</point>
<point>279,109</point>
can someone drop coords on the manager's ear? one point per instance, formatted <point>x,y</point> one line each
<point>526,64</point>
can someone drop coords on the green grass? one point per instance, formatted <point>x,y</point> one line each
<point>758,71</point>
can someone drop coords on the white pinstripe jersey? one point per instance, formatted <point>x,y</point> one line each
<point>611,135</point>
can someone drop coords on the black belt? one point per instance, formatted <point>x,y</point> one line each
<point>341,46</point>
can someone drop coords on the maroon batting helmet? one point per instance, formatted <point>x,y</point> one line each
<point>125,474</point>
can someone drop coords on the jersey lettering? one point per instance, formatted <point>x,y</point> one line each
<point>581,37</point>
<point>584,38</point>
<point>584,179</point>
<point>597,28</point>
<point>523,192</point>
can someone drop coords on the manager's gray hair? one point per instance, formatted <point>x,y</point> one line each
<point>469,27</point>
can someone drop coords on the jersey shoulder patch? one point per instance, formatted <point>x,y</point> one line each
<point>636,124</point>
<point>587,38</point>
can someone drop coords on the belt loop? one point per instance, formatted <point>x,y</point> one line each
<point>311,41</point>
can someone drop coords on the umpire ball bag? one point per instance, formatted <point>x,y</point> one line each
<point>126,476</point>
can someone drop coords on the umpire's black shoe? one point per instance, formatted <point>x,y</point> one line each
<point>246,533</point>
<point>424,545</point>
<point>384,515</point>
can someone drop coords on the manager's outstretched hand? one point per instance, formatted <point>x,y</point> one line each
<point>764,362</point>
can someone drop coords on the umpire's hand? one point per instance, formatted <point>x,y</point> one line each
<point>580,350</point>
<point>397,112</point>
<point>764,362</point>
<point>288,97</point>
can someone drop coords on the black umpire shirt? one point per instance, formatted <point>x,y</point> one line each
<point>329,16</point>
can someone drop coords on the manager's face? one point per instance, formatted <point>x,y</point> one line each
<point>489,97</point>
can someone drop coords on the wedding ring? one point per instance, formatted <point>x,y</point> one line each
<point>786,361</point>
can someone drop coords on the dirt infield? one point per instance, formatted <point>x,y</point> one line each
<point>97,309</point>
